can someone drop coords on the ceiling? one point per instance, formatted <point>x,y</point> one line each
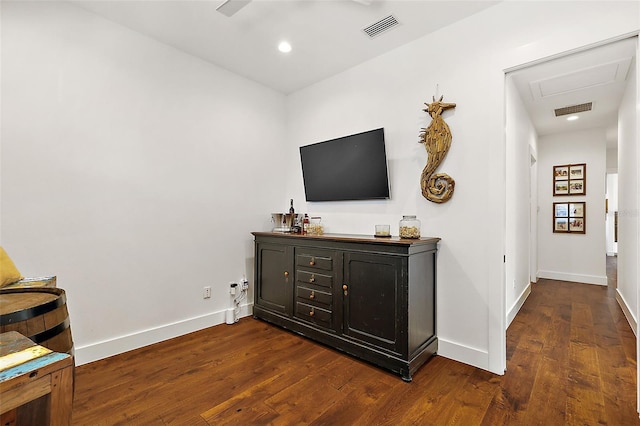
<point>326,35</point>
<point>327,38</point>
<point>598,76</point>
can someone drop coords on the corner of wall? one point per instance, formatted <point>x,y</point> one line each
<point>518,304</point>
<point>577,278</point>
<point>465,354</point>
<point>633,323</point>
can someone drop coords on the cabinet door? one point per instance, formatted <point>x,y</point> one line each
<point>373,296</point>
<point>274,278</point>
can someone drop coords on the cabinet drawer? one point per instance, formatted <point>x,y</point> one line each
<point>314,297</point>
<point>307,277</point>
<point>314,314</point>
<point>322,261</point>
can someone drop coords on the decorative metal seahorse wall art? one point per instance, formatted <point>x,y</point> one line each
<point>436,187</point>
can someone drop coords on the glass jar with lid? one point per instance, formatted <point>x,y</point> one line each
<point>315,226</point>
<point>409,227</point>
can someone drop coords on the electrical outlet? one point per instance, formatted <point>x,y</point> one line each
<point>206,292</point>
<point>244,285</point>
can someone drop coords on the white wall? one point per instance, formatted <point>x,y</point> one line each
<point>466,61</point>
<point>612,194</point>
<point>533,215</point>
<point>612,157</point>
<point>573,257</point>
<point>133,172</point>
<point>612,208</point>
<point>521,145</point>
<point>628,210</point>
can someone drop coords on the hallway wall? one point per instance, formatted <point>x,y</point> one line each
<point>612,209</point>
<point>628,204</point>
<point>521,144</point>
<point>573,257</point>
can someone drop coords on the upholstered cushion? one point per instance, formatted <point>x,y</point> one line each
<point>8,271</point>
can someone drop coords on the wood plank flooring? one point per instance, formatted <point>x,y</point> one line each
<point>570,360</point>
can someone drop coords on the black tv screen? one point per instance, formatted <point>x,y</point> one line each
<point>347,168</point>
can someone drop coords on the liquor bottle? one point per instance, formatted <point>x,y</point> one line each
<point>305,224</point>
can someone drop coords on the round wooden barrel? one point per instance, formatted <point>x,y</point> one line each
<point>39,314</point>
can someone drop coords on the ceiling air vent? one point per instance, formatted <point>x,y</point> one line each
<point>573,109</point>
<point>381,26</point>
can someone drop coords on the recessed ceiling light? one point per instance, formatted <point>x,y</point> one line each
<point>572,118</point>
<point>284,47</point>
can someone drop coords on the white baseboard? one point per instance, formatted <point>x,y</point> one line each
<point>518,304</point>
<point>95,351</point>
<point>579,278</point>
<point>464,354</point>
<point>633,323</point>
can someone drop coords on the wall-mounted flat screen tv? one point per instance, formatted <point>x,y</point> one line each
<point>348,168</point>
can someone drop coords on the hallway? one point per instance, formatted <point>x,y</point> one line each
<point>579,354</point>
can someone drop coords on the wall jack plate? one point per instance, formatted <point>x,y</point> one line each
<point>206,292</point>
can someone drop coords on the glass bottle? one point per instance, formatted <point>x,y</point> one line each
<point>409,227</point>
<point>305,224</point>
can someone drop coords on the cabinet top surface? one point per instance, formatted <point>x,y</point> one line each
<point>353,238</point>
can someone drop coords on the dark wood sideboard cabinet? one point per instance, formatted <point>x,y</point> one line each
<point>373,298</point>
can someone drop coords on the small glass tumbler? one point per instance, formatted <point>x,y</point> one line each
<point>383,231</point>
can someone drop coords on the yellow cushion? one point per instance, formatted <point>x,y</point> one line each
<point>8,271</point>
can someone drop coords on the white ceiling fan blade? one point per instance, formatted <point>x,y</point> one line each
<point>230,7</point>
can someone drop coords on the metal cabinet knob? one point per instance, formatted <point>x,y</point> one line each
<point>345,288</point>
<point>312,279</point>
<point>312,295</point>
<point>312,313</point>
<point>286,274</point>
<point>312,262</point>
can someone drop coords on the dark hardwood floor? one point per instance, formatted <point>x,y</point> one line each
<point>570,360</point>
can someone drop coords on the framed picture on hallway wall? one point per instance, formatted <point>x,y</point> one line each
<point>570,179</point>
<point>561,187</point>
<point>576,187</point>
<point>561,224</point>
<point>576,171</point>
<point>560,172</point>
<point>569,218</point>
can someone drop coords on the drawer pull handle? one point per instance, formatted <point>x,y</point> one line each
<point>345,288</point>
<point>312,262</point>
<point>286,274</point>
<point>312,279</point>
<point>312,295</point>
<point>312,312</point>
